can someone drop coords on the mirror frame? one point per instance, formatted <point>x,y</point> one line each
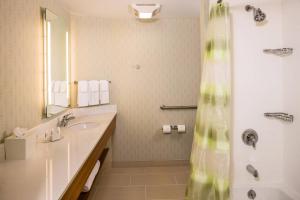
<point>47,16</point>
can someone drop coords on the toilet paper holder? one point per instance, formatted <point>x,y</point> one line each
<point>175,128</point>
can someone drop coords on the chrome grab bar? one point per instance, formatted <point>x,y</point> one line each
<point>164,107</point>
<point>280,52</point>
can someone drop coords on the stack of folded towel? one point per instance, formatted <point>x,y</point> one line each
<point>59,96</point>
<point>92,93</point>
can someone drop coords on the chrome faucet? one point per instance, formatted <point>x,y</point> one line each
<point>65,120</point>
<point>252,171</point>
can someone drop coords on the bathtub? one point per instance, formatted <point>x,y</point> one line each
<point>261,194</point>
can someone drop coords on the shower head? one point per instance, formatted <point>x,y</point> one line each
<point>258,14</point>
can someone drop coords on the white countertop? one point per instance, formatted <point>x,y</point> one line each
<point>52,167</point>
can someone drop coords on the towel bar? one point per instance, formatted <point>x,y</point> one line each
<point>76,82</point>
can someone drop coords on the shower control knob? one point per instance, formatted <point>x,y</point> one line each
<point>250,137</point>
<point>251,194</point>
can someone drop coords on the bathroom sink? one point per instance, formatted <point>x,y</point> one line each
<point>83,125</point>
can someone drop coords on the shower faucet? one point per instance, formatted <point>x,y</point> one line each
<point>250,137</point>
<point>252,171</point>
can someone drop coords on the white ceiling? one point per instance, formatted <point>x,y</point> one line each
<point>119,8</point>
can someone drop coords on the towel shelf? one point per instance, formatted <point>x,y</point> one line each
<point>281,116</point>
<point>164,107</point>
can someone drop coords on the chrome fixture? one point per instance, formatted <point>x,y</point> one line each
<point>280,52</point>
<point>251,194</point>
<point>164,107</point>
<point>258,14</point>
<point>250,137</point>
<point>279,115</point>
<point>252,171</point>
<point>65,120</point>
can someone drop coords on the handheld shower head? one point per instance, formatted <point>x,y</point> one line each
<point>258,14</point>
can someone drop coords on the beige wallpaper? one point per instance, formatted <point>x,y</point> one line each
<point>21,63</point>
<point>168,55</point>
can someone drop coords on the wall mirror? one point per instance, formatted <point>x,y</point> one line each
<point>56,64</point>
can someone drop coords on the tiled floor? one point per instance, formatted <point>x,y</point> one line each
<point>148,183</point>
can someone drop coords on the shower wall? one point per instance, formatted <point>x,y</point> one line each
<point>291,72</point>
<point>257,88</point>
<point>266,83</point>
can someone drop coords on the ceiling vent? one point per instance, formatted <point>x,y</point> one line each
<point>145,11</point>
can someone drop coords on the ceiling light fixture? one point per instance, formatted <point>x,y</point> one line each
<point>145,11</point>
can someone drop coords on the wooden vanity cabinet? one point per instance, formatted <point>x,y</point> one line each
<point>75,188</point>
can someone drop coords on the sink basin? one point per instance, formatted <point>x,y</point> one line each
<point>83,125</point>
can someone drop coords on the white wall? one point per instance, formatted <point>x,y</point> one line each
<point>291,73</point>
<point>257,88</point>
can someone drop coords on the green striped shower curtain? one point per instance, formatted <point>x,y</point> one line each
<point>210,158</point>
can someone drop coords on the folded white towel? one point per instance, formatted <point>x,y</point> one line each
<point>94,93</point>
<point>59,96</point>
<point>94,86</point>
<point>104,97</point>
<point>61,99</point>
<point>83,86</point>
<point>91,178</point>
<point>83,94</point>
<point>52,93</point>
<point>104,85</point>
<point>56,86</point>
<point>63,86</point>
<point>52,85</point>
<point>104,92</point>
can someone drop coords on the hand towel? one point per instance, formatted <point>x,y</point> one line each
<point>89,182</point>
<point>56,86</point>
<point>55,93</point>
<point>52,102</point>
<point>104,92</point>
<point>83,94</point>
<point>104,97</point>
<point>94,93</point>
<point>61,97</point>
<point>83,86</point>
<point>63,86</point>
<point>104,85</point>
